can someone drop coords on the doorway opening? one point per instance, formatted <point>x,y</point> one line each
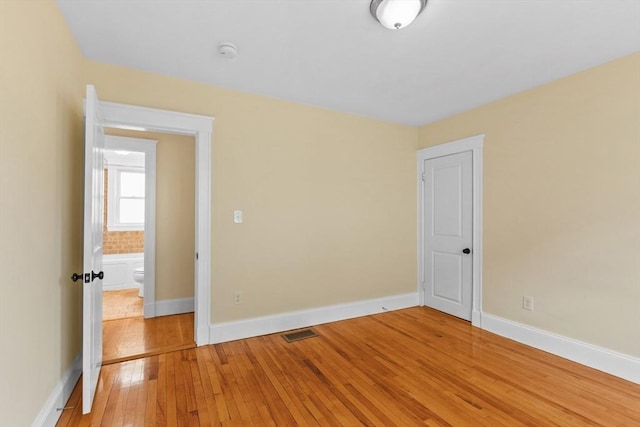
<point>130,117</point>
<point>148,244</point>
<point>98,116</point>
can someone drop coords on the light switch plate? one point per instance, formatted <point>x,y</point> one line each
<point>237,217</point>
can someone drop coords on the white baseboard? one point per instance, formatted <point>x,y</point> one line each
<point>118,287</point>
<point>173,306</point>
<point>51,412</point>
<point>230,331</point>
<point>611,362</point>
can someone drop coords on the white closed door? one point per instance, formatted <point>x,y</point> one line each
<point>448,234</point>
<point>92,255</point>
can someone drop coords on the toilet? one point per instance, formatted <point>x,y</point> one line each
<point>138,277</point>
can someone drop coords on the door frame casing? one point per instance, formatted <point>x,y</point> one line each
<point>474,144</point>
<point>148,147</point>
<point>132,117</point>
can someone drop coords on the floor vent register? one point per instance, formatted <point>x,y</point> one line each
<point>299,335</point>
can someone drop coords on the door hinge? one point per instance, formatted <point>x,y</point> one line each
<point>196,255</point>
<point>423,176</point>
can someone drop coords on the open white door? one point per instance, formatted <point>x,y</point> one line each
<point>92,259</point>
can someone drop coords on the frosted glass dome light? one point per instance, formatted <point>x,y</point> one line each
<point>396,14</point>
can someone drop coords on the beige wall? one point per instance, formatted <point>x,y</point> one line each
<point>175,216</point>
<point>175,212</point>
<point>328,198</point>
<point>40,205</point>
<point>562,203</point>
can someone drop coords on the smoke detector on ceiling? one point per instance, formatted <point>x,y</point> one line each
<point>227,50</point>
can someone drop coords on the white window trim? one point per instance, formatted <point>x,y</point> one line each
<point>113,198</point>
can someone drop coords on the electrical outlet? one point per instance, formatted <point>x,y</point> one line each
<point>237,297</point>
<point>527,303</point>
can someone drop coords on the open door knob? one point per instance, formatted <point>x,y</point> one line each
<point>86,278</point>
<point>99,275</point>
<point>466,251</point>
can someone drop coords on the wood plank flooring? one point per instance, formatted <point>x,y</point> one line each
<point>410,367</point>
<point>121,304</point>
<point>134,337</point>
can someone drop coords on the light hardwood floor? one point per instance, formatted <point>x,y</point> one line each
<point>121,304</point>
<point>135,337</point>
<point>404,368</point>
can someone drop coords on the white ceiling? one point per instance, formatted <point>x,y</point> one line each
<point>457,55</point>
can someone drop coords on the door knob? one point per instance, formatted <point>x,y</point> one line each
<point>75,277</point>
<point>466,251</point>
<point>99,275</point>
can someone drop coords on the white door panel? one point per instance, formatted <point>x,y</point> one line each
<point>92,255</point>
<point>446,184</point>
<point>447,277</point>
<point>448,232</point>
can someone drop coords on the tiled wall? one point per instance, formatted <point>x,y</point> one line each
<point>119,242</point>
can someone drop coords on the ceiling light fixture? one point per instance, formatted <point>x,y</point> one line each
<point>396,14</point>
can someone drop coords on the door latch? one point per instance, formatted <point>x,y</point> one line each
<point>88,277</point>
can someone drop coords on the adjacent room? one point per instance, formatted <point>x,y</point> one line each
<point>148,179</point>
<point>292,213</point>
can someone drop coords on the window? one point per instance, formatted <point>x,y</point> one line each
<point>125,205</point>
